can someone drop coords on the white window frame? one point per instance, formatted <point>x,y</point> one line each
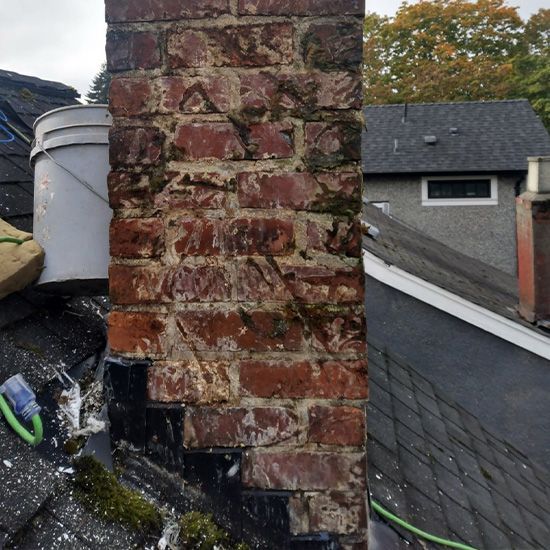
<point>474,201</point>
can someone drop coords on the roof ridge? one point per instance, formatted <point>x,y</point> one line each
<point>421,104</point>
<point>38,84</point>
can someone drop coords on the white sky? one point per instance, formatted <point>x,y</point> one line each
<point>64,40</point>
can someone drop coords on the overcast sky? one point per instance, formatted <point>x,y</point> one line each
<point>64,40</point>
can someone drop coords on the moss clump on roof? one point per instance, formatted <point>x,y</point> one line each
<point>199,532</point>
<point>100,491</point>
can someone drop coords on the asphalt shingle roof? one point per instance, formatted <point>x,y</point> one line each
<point>434,464</point>
<point>491,136</point>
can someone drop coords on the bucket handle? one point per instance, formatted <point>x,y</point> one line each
<point>81,181</point>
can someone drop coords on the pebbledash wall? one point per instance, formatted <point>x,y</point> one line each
<point>236,276</point>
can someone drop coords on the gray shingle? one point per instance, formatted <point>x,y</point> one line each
<point>493,136</point>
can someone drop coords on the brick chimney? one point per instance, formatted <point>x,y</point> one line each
<point>533,229</point>
<point>236,275</point>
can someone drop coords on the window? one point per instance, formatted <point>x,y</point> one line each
<point>459,191</point>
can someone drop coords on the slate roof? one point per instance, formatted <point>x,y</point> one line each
<point>491,136</point>
<point>434,465</point>
<point>427,258</point>
<point>22,100</point>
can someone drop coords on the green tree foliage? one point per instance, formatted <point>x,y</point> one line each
<point>99,90</point>
<point>458,50</point>
<point>532,66</point>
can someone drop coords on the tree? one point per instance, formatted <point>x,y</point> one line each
<point>99,90</point>
<point>442,50</point>
<point>532,66</point>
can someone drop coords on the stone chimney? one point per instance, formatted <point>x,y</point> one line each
<point>236,276</point>
<point>533,230</point>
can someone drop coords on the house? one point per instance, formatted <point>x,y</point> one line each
<point>453,170</point>
<point>455,319</point>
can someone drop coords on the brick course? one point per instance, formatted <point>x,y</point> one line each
<point>235,242</point>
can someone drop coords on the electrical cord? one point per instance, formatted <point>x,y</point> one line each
<point>31,438</point>
<point>12,240</point>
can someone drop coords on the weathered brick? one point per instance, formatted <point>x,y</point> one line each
<point>290,380</point>
<point>224,141</point>
<point>159,10</point>
<point>261,280</point>
<point>334,46</point>
<point>338,237</point>
<point>128,50</point>
<point>250,427</point>
<point>330,144</point>
<point>342,513</point>
<point>239,330</point>
<point>141,285</point>
<point>135,145</point>
<point>304,471</point>
<point>208,94</point>
<point>210,237</point>
<point>336,329</point>
<point>129,97</point>
<point>319,192</point>
<point>193,382</point>
<point>190,191</point>
<point>142,333</point>
<point>299,94</point>
<point>137,237</point>
<point>301,7</point>
<point>127,190</point>
<point>337,426</point>
<point>231,46</point>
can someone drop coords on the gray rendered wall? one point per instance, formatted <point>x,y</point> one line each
<point>484,232</point>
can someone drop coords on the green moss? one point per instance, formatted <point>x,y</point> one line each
<point>73,445</point>
<point>27,346</point>
<point>100,491</point>
<point>25,93</point>
<point>198,531</point>
<point>280,328</point>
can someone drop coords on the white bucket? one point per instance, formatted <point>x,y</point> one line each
<point>71,211</point>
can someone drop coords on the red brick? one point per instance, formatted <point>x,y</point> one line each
<point>191,191</point>
<point>337,426</point>
<point>341,513</point>
<point>159,10</point>
<point>304,471</point>
<point>193,382</point>
<point>137,237</point>
<point>217,140</point>
<point>235,331</point>
<point>128,50</point>
<point>334,46</point>
<point>127,190</point>
<point>300,94</point>
<point>338,237</point>
<point>260,280</point>
<point>210,237</point>
<point>319,192</point>
<point>129,97</point>
<point>336,329</point>
<point>223,141</point>
<point>208,94</point>
<point>301,7</point>
<point>141,333</point>
<point>231,46</point>
<point>330,144</point>
<point>254,427</point>
<point>141,285</point>
<point>135,145</point>
<point>290,380</point>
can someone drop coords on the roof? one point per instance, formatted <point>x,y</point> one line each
<point>22,100</point>
<point>436,466</point>
<point>430,260</point>
<point>491,136</point>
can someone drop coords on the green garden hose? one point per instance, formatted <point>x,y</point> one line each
<point>11,240</point>
<point>22,432</point>
<point>422,534</point>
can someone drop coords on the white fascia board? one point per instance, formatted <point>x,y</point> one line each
<point>455,305</point>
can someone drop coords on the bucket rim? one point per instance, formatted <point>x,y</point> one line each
<point>67,108</point>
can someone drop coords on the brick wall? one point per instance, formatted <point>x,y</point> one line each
<point>236,268</point>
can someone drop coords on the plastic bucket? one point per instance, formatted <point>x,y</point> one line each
<point>70,156</point>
